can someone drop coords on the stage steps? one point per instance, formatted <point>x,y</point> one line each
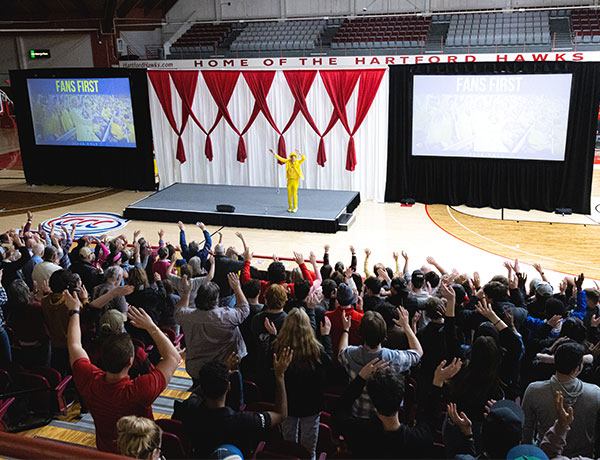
<point>345,221</point>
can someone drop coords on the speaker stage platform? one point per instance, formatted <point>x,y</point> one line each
<point>323,211</point>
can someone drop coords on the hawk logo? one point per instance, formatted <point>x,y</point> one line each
<point>95,223</point>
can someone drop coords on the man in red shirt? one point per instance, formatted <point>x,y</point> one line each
<point>344,305</point>
<point>110,394</point>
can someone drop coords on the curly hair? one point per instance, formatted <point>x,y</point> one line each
<point>297,334</point>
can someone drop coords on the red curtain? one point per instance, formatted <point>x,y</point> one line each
<point>162,85</point>
<point>300,82</point>
<point>260,83</point>
<point>221,84</point>
<point>339,85</point>
<point>367,90</point>
<point>185,82</point>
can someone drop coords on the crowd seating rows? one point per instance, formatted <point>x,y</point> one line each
<point>464,30</point>
<point>374,363</point>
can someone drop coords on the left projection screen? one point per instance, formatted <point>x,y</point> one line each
<point>82,112</point>
<point>502,116</point>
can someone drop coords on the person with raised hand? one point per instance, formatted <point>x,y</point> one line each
<point>211,331</point>
<point>373,330</point>
<point>555,439</point>
<point>306,380</point>
<point>210,423</point>
<point>384,436</point>
<point>110,393</point>
<point>193,249</point>
<point>539,403</point>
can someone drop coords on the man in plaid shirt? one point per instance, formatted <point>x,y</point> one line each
<point>373,330</point>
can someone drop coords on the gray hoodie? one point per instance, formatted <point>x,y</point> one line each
<point>540,413</point>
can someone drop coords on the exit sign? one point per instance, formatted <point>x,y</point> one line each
<point>39,54</point>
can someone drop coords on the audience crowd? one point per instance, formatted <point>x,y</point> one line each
<point>412,361</point>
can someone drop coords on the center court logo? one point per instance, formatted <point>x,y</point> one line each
<point>95,223</point>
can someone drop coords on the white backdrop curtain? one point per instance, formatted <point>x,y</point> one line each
<point>260,167</point>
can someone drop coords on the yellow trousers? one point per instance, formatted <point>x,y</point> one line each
<point>292,186</point>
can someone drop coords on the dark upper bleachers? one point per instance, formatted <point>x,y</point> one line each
<point>382,32</point>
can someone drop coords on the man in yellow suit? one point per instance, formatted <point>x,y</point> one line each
<point>293,173</point>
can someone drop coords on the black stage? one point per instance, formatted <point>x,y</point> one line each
<point>325,211</point>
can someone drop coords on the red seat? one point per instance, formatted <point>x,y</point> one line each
<point>4,405</point>
<point>176,427</point>
<point>57,386</point>
<point>172,446</point>
<point>275,449</point>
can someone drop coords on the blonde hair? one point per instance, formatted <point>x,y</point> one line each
<point>138,437</point>
<point>297,334</point>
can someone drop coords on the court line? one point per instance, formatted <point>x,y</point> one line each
<point>500,244</point>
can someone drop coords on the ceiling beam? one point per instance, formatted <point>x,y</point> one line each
<point>126,7</point>
<point>108,20</point>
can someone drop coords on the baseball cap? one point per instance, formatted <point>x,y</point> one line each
<point>85,252</point>
<point>227,452</point>
<point>526,452</point>
<point>112,321</point>
<point>399,284</point>
<point>543,289</point>
<point>417,275</point>
<point>345,296</point>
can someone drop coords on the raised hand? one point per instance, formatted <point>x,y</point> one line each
<point>396,256</point>
<point>555,321</point>
<point>476,280</point>
<point>234,281</point>
<point>485,310</point>
<point>352,250</point>
<point>298,258</point>
<point>516,266</point>
<point>136,234</point>
<point>444,373</point>
<point>508,266</point>
<point>404,255</point>
<point>579,282</point>
<point>139,318</point>
<point>430,260</point>
<point>325,326</point>
<point>326,248</point>
<point>201,225</point>
<point>447,292</point>
<point>367,252</point>
<point>402,320</point>
<point>123,290</point>
<point>346,322</point>
<point>313,258</point>
<point>161,233</point>
<point>232,361</point>
<point>270,327</point>
<point>282,362</point>
<point>565,417</point>
<point>371,367</point>
<point>460,420</point>
<point>71,301</point>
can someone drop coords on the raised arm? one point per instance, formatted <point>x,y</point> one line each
<point>403,321</point>
<point>283,160</point>
<point>169,354</point>
<point>439,268</point>
<point>280,365</point>
<point>76,350</point>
